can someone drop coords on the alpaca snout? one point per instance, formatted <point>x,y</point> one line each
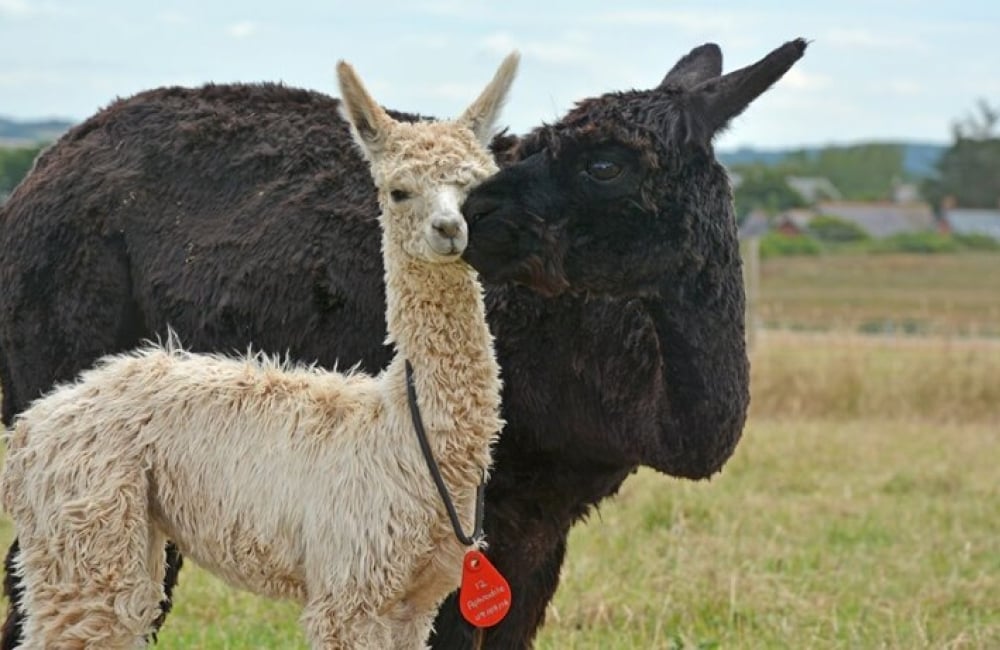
<point>448,235</point>
<point>450,228</point>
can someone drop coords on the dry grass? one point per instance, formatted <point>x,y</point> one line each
<point>944,295</point>
<point>845,375</point>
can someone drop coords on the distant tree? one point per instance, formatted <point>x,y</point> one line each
<point>14,165</point>
<point>861,172</point>
<point>969,170</point>
<point>981,126</point>
<point>776,244</point>
<point>764,188</point>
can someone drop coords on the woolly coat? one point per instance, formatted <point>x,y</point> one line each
<point>243,214</point>
<point>288,481</point>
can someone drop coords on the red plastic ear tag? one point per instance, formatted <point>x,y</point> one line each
<point>485,595</point>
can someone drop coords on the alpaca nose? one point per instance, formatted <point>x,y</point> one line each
<point>447,228</point>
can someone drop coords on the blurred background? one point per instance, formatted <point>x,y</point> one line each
<point>862,509</point>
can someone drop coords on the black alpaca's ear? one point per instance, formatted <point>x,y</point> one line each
<point>717,101</point>
<point>700,64</point>
<point>504,148</point>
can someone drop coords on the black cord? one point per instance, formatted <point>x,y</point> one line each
<point>418,425</point>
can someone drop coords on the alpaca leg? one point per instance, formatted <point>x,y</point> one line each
<point>174,562</point>
<point>87,580</point>
<point>163,572</point>
<point>13,589</point>
<point>329,627</point>
<point>412,633</point>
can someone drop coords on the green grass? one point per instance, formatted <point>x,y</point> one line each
<point>948,295</point>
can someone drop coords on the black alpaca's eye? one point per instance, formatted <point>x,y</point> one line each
<point>603,170</point>
<point>399,195</point>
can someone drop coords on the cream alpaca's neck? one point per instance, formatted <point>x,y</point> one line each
<point>436,318</point>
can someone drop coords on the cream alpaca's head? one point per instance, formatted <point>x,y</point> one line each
<point>424,170</point>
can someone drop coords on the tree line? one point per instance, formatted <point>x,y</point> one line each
<point>14,166</point>
<point>968,172</point>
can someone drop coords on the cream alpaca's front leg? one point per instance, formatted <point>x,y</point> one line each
<point>329,627</point>
<point>412,634</point>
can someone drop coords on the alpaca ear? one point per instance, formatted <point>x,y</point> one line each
<point>369,122</point>
<point>699,65</point>
<point>717,101</point>
<point>482,115</point>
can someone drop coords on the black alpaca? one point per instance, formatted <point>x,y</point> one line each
<point>239,214</point>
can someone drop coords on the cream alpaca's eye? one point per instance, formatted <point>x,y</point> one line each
<point>603,170</point>
<point>399,195</point>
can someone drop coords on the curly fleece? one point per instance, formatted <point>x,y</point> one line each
<point>288,481</point>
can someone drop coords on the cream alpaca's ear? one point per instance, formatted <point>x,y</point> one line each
<point>482,115</point>
<point>369,122</point>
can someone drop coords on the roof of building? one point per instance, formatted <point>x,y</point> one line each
<point>972,221</point>
<point>881,219</point>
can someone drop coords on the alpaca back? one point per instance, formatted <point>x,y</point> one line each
<point>248,458</point>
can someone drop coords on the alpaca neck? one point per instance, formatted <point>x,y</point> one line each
<point>436,318</point>
<point>435,313</point>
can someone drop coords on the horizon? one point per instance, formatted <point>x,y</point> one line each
<point>907,81</point>
<point>729,149</point>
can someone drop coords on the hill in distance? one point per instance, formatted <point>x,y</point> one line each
<point>919,158</point>
<point>15,133</point>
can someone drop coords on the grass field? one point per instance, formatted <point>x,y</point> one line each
<point>861,510</point>
<point>946,295</point>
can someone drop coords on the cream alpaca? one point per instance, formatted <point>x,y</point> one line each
<point>287,481</point>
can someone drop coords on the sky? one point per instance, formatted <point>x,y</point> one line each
<point>890,70</point>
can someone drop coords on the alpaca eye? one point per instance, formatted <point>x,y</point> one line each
<point>399,195</point>
<point>603,170</point>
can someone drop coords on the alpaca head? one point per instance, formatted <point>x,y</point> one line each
<point>425,170</point>
<point>623,196</point>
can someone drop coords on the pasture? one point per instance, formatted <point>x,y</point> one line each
<point>861,510</point>
<point>943,295</point>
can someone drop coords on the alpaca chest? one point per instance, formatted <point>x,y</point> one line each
<point>258,555</point>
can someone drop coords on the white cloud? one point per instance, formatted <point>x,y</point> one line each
<point>863,38</point>
<point>453,8</point>
<point>499,43</point>
<point>14,7</point>
<point>569,48</point>
<point>906,87</point>
<point>243,29</point>
<point>462,92</point>
<point>172,18</point>
<point>426,41</point>
<point>31,77</point>
<point>688,21</point>
<point>22,8</point>
<point>799,80</point>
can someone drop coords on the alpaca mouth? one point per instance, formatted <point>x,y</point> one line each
<point>447,249</point>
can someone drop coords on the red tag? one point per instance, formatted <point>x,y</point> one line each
<point>485,596</point>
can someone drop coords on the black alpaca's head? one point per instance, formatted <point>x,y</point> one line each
<point>623,191</point>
